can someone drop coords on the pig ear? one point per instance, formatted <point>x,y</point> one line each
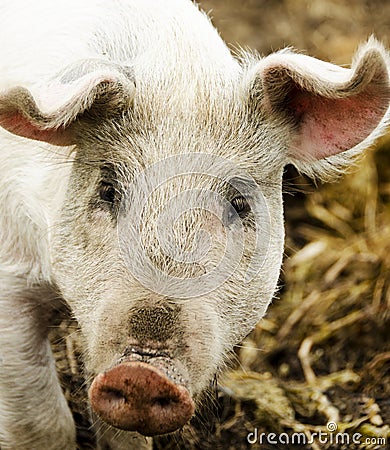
<point>51,112</point>
<point>328,109</point>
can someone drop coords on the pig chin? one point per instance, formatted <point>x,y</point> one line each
<point>145,391</point>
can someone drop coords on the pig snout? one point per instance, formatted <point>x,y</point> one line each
<point>136,396</point>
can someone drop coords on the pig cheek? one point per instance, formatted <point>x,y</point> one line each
<point>252,296</point>
<point>214,226</point>
<point>217,238</point>
<point>84,257</point>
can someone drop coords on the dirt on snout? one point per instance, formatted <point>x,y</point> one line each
<point>316,371</point>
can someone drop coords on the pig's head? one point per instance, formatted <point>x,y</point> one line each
<point>169,240</point>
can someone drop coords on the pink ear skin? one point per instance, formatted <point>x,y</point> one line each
<point>20,125</point>
<point>330,126</point>
<point>330,109</point>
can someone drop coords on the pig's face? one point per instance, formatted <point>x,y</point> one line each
<point>167,250</point>
<point>169,239</point>
<point>171,245</point>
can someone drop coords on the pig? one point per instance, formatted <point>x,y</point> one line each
<point>141,185</point>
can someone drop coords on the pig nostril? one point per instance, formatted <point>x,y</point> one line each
<point>163,402</point>
<point>114,395</point>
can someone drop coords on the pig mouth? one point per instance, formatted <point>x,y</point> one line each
<point>148,397</point>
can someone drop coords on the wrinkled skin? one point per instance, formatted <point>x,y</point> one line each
<point>142,184</point>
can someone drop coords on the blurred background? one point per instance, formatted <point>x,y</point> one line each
<point>322,353</point>
<point>326,29</point>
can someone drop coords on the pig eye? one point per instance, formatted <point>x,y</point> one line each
<point>241,207</point>
<point>107,192</point>
<point>107,189</point>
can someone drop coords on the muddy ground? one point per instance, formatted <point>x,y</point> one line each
<point>322,354</point>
